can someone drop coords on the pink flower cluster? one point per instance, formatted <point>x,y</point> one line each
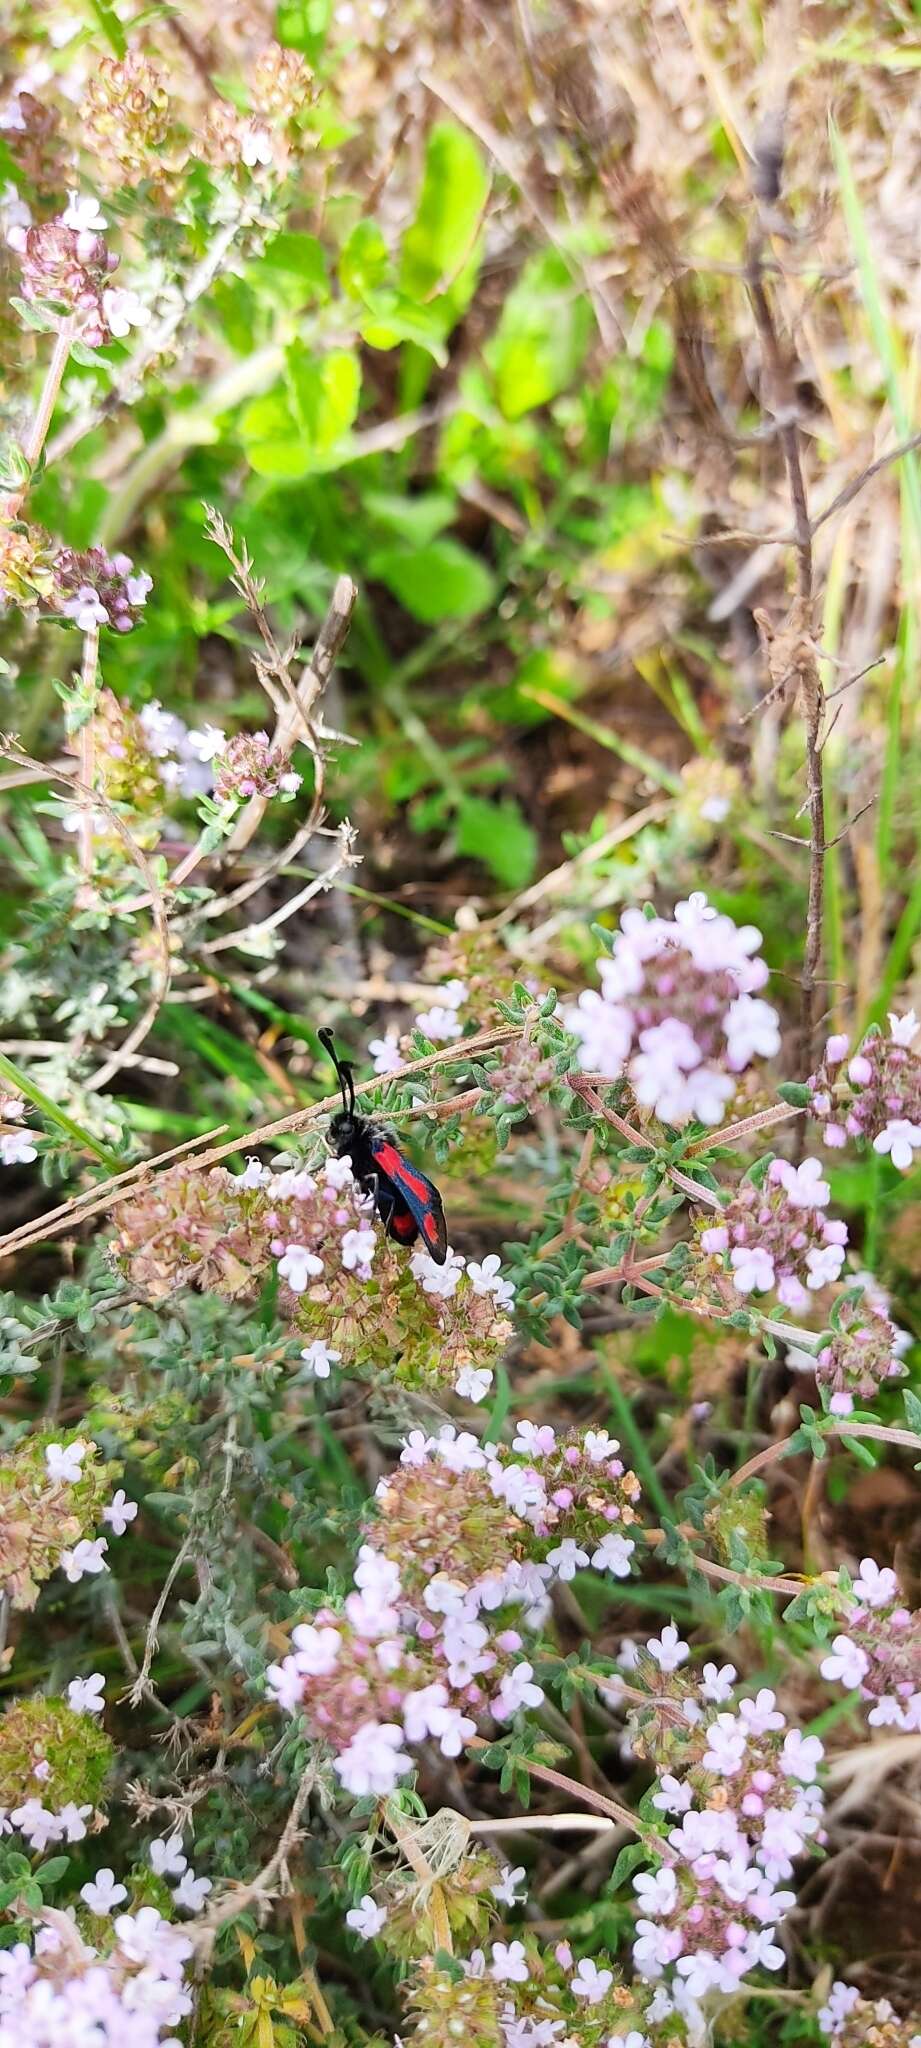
<point>63,1989</point>
<point>678,1015</point>
<point>777,1236</point>
<point>66,266</point>
<point>94,588</point>
<point>461,1531</point>
<point>875,1094</point>
<point>879,1654</point>
<point>738,1786</point>
<point>247,765</point>
<point>862,1352</point>
<point>852,2021</point>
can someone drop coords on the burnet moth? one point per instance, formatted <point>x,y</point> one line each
<point>406,1201</point>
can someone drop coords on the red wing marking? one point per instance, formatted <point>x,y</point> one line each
<point>403,1224</point>
<point>430,1227</point>
<point>392,1162</point>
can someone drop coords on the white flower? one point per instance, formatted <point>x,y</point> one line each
<point>297,1266</point>
<point>102,1892</point>
<point>674,1795</point>
<point>38,1825</point>
<point>119,1512</point>
<point>717,1684</point>
<point>848,1663</point>
<point>439,1280</point>
<point>567,1559</point>
<point>753,1269</point>
<point>367,1918</point>
<point>318,1357</point>
<point>83,214</point>
<point>85,1557</point>
<point>139,586</point>
<point>901,1140</point>
<point>509,1963</point>
<point>315,1650</point>
<point>598,1446</point>
<point>752,1027</point>
<point>86,1695</point>
<point>337,1173</point>
<point>17,1148</point>
<point>358,1248</point>
<point>73,1821</point>
<point>206,741</point>
<point>803,1185</point>
<point>605,1030</point>
<point>903,1030</point>
<point>440,1024</point>
<point>589,1982</point>
<point>63,1462</point>
<point>123,310</point>
<point>506,1891</point>
<point>657,1892</point>
<point>726,1746</point>
<point>823,1264</point>
<point>613,1555</point>
<point>875,1586</point>
<point>385,1053</point>
<point>374,1760</point>
<point>473,1382</point>
<point>842,1999</point>
<point>634,2039</point>
<point>801,1756</point>
<point>419,1709</point>
<point>516,1689</point>
<point>256,146</point>
<point>668,1649</point>
<point>486,1278</point>
<point>452,1729</point>
<point>761,1714</point>
<point>191,1891</point>
<point>166,1857</point>
<point>536,1440</point>
<point>254,1174</point>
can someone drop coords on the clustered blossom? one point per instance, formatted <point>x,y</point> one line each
<point>862,1352</point>
<point>776,1235</point>
<point>52,1494</point>
<point>127,117</point>
<point>520,1994</point>
<point>17,1147</point>
<point>739,1803</point>
<point>873,1094</point>
<point>66,264</point>
<point>522,1074</point>
<point>248,765</point>
<point>879,1651</point>
<point>64,1988</point>
<point>94,588</point>
<point>852,2022</point>
<point>677,1015</point>
<point>355,1297</point>
<point>461,1531</point>
<point>182,756</point>
<point>271,134</point>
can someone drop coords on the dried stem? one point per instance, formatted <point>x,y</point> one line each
<point>880,1433</point>
<point>88,673</point>
<point>141,1687</point>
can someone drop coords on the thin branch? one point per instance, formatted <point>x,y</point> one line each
<point>261,1888</point>
<point>878,1431</point>
<point>141,1687</point>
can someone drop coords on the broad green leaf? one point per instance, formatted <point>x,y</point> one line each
<point>302,24</point>
<point>542,336</point>
<point>275,444</point>
<point>440,581</point>
<point>299,265</point>
<point>500,836</point>
<point>364,261</point>
<point>392,318</point>
<point>414,519</point>
<point>439,257</point>
<point>325,390</point>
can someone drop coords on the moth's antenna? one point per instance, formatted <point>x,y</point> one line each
<point>343,1072</point>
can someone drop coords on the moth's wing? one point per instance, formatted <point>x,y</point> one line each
<point>417,1195</point>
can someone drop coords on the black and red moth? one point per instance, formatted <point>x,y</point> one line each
<point>407,1202</point>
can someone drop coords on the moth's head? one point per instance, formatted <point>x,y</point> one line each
<point>341,1132</point>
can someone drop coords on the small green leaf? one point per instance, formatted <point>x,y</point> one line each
<point>364,261</point>
<point>417,520</point>
<point>303,24</point>
<point>325,391</point>
<point>440,581</point>
<point>499,836</point>
<point>439,254</point>
<point>541,338</point>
